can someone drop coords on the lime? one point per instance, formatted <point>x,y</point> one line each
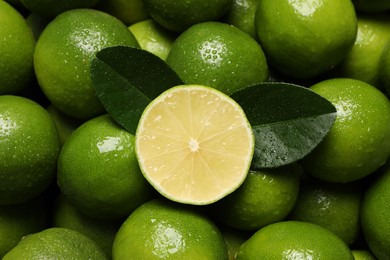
<point>194,144</point>
<point>63,55</point>
<point>294,240</point>
<point>334,206</point>
<point>37,23</point>
<point>375,213</point>
<point>233,238</point>
<point>19,220</point>
<point>303,39</point>
<point>98,170</point>
<point>102,232</point>
<point>180,15</point>
<point>218,55</point>
<point>363,255</point>
<point>242,15</point>
<point>153,37</point>
<point>363,62</point>
<point>359,141</point>
<point>265,197</point>
<point>17,45</point>
<point>128,11</point>
<point>29,148</point>
<point>52,8</point>
<point>56,243</point>
<point>161,229</point>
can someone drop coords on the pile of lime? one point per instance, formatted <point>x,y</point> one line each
<point>197,129</point>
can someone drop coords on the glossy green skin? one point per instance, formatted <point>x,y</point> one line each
<point>98,171</point>
<point>265,197</point>
<point>128,11</point>
<point>63,56</point>
<point>359,141</point>
<point>218,55</point>
<point>333,206</point>
<point>363,61</point>
<point>161,229</point>
<point>375,213</point>
<point>303,39</point>
<point>19,220</point>
<point>29,147</point>
<point>180,15</point>
<point>363,255</point>
<point>294,240</point>
<point>17,45</point>
<point>56,243</point>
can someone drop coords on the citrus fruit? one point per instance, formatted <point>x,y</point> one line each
<point>37,23</point>
<point>359,141</point>
<point>161,229</point>
<point>17,45</point>
<point>265,197</point>
<point>303,39</point>
<point>218,55</point>
<point>363,62</point>
<point>233,238</point>
<point>363,255</point>
<point>98,170</point>
<point>242,15</point>
<point>128,11</point>
<point>180,15</point>
<point>294,240</point>
<point>63,56</point>
<point>65,124</point>
<point>375,213</point>
<point>333,206</point>
<point>384,71</point>
<point>20,220</point>
<point>29,148</point>
<point>52,8</point>
<point>153,37</point>
<point>371,5</point>
<point>56,243</point>
<point>194,144</point>
<point>102,232</point>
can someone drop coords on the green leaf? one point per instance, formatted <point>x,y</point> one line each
<point>288,121</point>
<point>127,79</point>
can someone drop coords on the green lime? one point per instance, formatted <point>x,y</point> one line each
<point>333,206</point>
<point>218,55</point>
<point>294,240</point>
<point>19,220</point>
<point>128,11</point>
<point>29,148</point>
<point>37,23</point>
<point>56,243</point>
<point>265,197</point>
<point>17,45</point>
<point>363,255</point>
<point>233,238</point>
<point>153,37</point>
<point>98,171</point>
<point>359,141</point>
<point>363,62</point>
<point>242,15</point>
<point>52,8</point>
<point>161,229</point>
<point>375,214</point>
<point>180,15</point>
<point>102,232</point>
<point>63,56</point>
<point>303,39</point>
